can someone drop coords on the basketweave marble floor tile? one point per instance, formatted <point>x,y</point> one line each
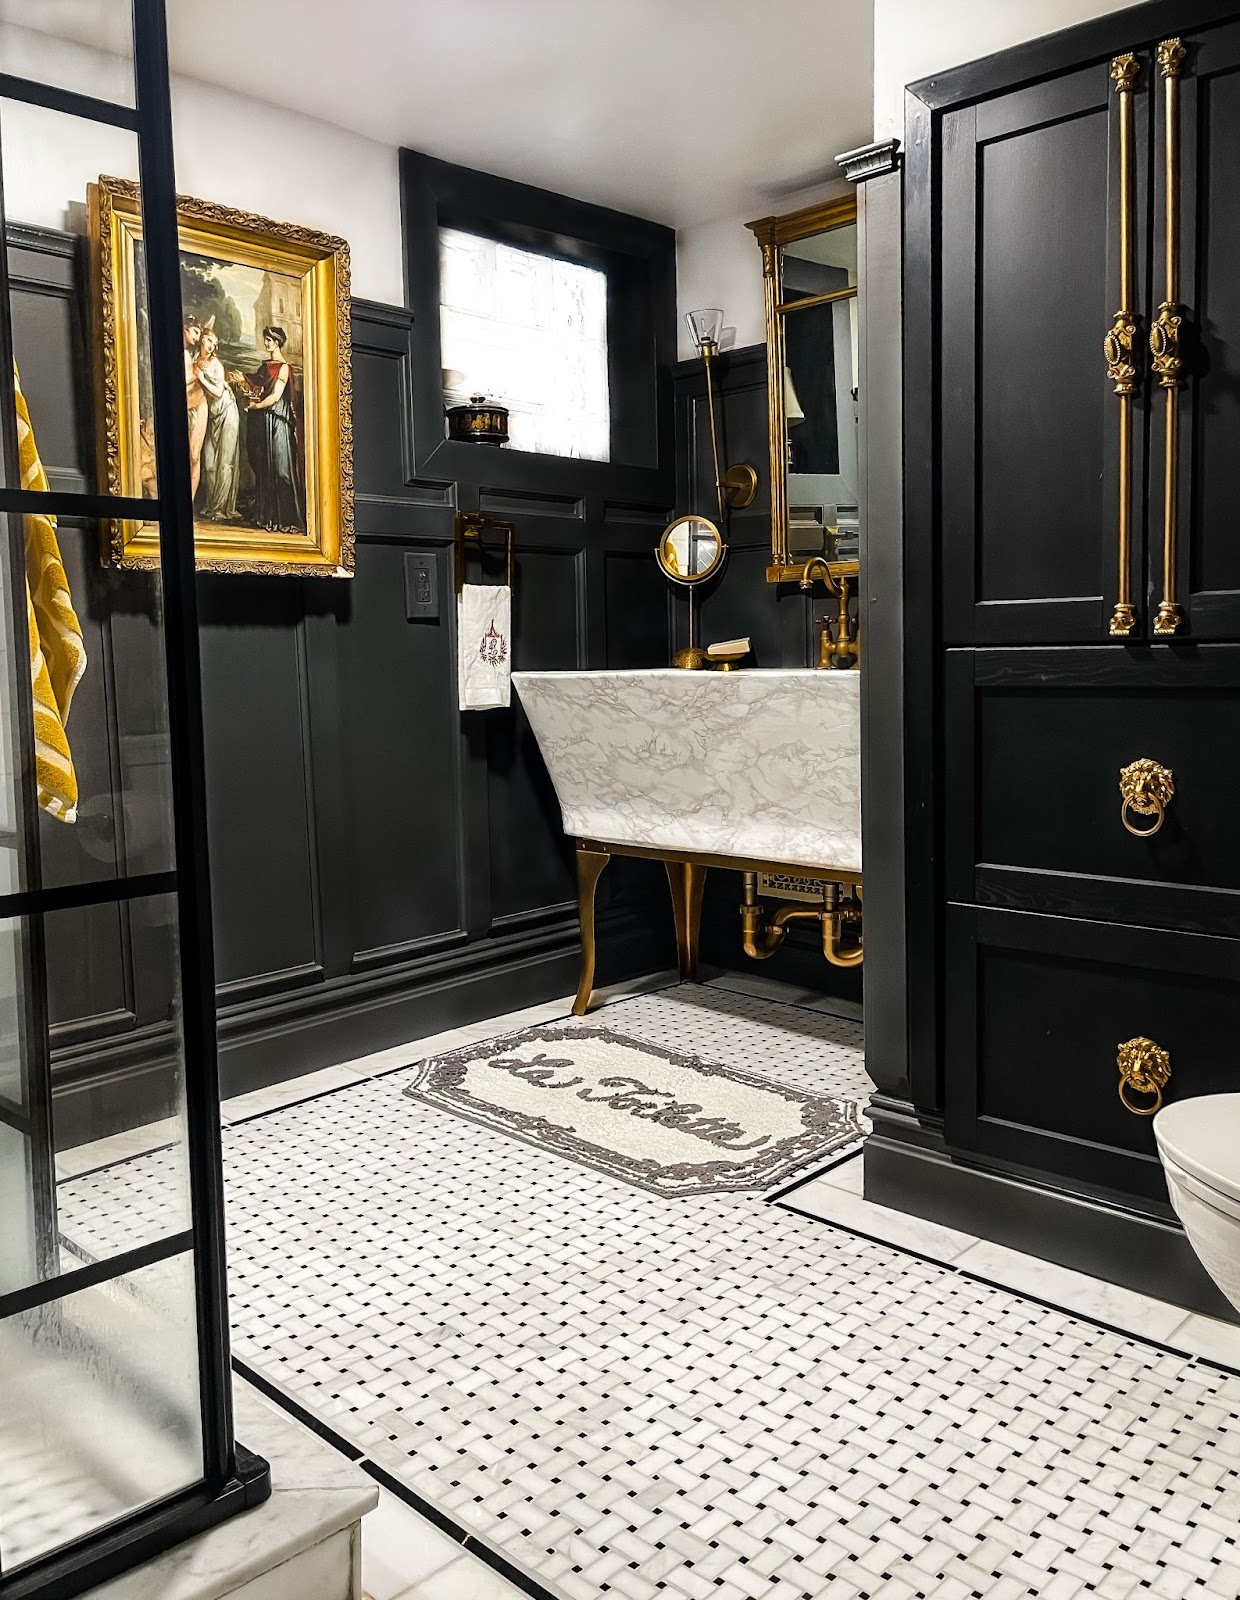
<point>708,1395</point>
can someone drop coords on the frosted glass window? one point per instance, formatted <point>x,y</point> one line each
<point>529,331</point>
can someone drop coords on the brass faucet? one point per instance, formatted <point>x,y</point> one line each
<point>807,574</point>
<point>843,642</point>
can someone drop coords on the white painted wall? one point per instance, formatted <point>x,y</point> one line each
<point>719,264</point>
<point>229,149</point>
<point>912,39</point>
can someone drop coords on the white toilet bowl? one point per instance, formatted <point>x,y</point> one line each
<point>1199,1143</point>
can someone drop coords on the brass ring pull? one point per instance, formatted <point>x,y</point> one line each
<point>1144,1068</point>
<point>1146,789</point>
<point>1157,810</point>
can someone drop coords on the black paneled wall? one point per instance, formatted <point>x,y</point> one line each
<point>382,865</point>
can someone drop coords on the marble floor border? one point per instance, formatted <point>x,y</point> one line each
<point>115,1149</point>
<point>761,987</point>
<point>295,1091</point>
<point>835,1197</point>
<point>471,1543</point>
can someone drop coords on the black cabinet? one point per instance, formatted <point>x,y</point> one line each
<point>1082,186</point>
<point>1037,188</point>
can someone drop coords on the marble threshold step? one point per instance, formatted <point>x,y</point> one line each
<point>304,1543</point>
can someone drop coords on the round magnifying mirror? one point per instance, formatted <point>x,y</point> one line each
<point>691,549</point>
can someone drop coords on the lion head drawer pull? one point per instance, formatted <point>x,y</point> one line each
<point>1146,789</point>
<point>1144,1068</point>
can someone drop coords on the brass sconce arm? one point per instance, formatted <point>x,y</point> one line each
<point>737,486</point>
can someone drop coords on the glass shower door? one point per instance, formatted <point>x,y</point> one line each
<point>116,1435</point>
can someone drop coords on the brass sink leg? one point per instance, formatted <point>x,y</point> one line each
<point>686,880</point>
<point>590,864</point>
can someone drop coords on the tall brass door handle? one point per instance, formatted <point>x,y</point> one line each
<point>1167,361</point>
<point>1121,347</point>
<point>1146,789</point>
<point>1144,1068</point>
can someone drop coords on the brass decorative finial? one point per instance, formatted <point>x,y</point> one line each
<point>1169,55</point>
<point>1124,70</point>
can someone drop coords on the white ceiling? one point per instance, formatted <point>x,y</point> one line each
<point>679,110</point>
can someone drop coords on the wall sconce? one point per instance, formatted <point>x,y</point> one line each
<point>737,486</point>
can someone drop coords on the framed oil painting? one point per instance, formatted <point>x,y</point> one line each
<point>268,386</point>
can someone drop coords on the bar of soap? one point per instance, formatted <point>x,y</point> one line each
<point>729,647</point>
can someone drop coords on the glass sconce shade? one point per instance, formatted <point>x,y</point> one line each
<point>705,326</point>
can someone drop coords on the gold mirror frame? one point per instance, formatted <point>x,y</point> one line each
<point>772,234</point>
<point>690,578</point>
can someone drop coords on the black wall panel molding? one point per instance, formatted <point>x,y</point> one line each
<point>383,866</point>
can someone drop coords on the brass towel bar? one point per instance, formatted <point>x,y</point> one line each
<point>470,526</point>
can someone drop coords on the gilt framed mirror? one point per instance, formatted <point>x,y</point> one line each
<point>809,270</point>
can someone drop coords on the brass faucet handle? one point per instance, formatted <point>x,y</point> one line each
<point>1146,789</point>
<point>1144,1068</point>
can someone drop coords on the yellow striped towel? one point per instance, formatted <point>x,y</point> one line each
<point>57,655</point>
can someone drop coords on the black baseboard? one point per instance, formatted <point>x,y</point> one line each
<point>267,1041</point>
<point>128,1079</point>
<point>115,1082</point>
<point>1138,1252</point>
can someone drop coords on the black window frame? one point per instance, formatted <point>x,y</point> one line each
<point>639,260</point>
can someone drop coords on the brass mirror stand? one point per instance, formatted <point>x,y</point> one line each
<point>690,551</point>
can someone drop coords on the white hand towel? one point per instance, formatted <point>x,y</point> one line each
<point>484,646</point>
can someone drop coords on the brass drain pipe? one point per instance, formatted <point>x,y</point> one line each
<point>761,937</point>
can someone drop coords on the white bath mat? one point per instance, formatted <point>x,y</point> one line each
<point>664,1120</point>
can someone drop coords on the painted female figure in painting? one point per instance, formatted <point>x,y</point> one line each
<point>221,460</point>
<point>271,437</point>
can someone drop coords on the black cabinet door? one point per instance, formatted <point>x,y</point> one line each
<point>1036,1009</point>
<point>1206,488</point>
<point>1028,241</point>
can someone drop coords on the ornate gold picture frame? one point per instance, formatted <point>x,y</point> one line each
<point>268,386</point>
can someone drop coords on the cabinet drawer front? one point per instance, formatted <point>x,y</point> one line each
<point>1036,1010</point>
<point>1034,814</point>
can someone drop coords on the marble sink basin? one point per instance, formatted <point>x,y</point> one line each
<point>763,764</point>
